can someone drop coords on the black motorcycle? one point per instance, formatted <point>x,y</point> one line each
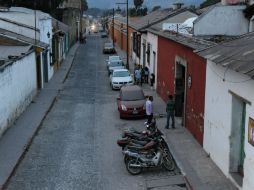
<point>153,154</point>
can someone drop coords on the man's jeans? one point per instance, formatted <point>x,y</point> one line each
<point>172,116</point>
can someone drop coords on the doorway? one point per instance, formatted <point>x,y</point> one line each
<point>38,71</point>
<point>45,65</point>
<point>144,54</point>
<point>237,139</point>
<point>180,88</point>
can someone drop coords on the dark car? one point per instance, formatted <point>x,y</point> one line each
<point>131,102</point>
<point>109,48</point>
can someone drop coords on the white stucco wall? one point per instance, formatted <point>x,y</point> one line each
<point>45,27</point>
<point>27,18</point>
<point>18,86</point>
<point>217,127</point>
<point>222,20</point>
<point>153,40</point>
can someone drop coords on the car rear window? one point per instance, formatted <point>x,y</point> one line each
<point>132,95</point>
<point>109,45</point>
<point>116,64</point>
<point>121,74</point>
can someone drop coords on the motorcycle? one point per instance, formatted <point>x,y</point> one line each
<point>153,154</point>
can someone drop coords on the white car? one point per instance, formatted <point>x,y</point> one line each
<point>118,64</point>
<point>112,58</point>
<point>119,78</point>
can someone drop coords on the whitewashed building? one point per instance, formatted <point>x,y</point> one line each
<point>151,40</point>
<point>229,109</point>
<point>224,19</point>
<point>32,24</point>
<point>17,76</point>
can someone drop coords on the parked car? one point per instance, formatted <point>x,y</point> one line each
<point>118,64</point>
<point>131,102</point>
<point>109,48</point>
<point>119,78</point>
<point>113,58</point>
<point>104,35</point>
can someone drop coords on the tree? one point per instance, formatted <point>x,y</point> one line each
<point>155,8</point>
<point>45,6</point>
<point>84,5</point>
<point>138,3</point>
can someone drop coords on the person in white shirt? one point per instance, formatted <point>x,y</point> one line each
<point>149,109</point>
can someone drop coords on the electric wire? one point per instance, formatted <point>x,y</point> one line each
<point>229,81</point>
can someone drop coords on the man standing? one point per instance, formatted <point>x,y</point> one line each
<point>138,76</point>
<point>149,109</point>
<point>170,109</point>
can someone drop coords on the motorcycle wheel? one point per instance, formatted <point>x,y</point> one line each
<point>133,170</point>
<point>126,159</point>
<point>168,163</point>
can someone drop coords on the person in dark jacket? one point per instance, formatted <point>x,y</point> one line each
<point>170,109</point>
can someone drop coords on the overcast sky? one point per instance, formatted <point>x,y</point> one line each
<point>106,4</point>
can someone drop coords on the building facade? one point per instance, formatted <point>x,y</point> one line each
<point>229,110</point>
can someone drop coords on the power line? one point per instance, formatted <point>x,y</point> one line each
<point>229,81</point>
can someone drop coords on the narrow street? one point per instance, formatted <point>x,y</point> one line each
<point>75,148</point>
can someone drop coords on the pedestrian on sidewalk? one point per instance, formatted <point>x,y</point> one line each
<point>170,109</point>
<point>146,73</point>
<point>152,80</point>
<point>149,109</point>
<point>138,76</point>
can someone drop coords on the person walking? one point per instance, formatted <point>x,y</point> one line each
<point>138,76</point>
<point>149,109</point>
<point>152,80</point>
<point>170,109</point>
<point>146,75</point>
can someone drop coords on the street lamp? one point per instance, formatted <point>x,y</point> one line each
<point>127,7</point>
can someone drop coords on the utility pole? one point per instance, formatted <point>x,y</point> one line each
<point>113,27</point>
<point>35,23</point>
<point>127,32</point>
<point>127,4</point>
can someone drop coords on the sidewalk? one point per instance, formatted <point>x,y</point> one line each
<point>200,172</point>
<point>15,142</point>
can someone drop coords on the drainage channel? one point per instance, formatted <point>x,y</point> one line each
<point>173,180</point>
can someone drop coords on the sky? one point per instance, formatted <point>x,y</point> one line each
<point>107,4</point>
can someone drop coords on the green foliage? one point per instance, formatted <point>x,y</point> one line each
<point>137,12</point>
<point>208,3</point>
<point>138,3</point>
<point>155,8</point>
<point>45,6</point>
<point>84,5</point>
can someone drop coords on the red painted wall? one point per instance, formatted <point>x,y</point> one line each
<point>195,96</point>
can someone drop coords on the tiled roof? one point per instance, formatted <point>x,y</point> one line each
<point>14,51</point>
<point>153,18</point>
<point>57,25</point>
<point>188,41</point>
<point>237,54</point>
<point>21,38</point>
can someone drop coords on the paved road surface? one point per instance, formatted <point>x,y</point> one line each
<point>75,148</point>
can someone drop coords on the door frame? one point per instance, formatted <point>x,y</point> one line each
<point>183,62</point>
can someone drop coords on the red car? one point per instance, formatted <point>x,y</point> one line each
<point>131,102</point>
